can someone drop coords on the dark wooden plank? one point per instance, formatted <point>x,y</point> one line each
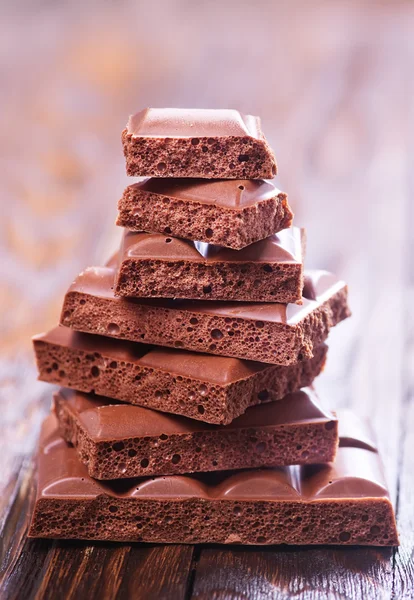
<point>22,560</point>
<point>105,571</point>
<point>48,569</point>
<point>311,573</point>
<point>164,573</point>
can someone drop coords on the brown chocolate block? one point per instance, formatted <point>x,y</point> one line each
<point>152,265</point>
<point>213,389</point>
<point>118,441</point>
<point>344,502</point>
<point>212,144</point>
<point>227,212</point>
<point>272,333</point>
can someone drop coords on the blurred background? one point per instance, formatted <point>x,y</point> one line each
<point>333,83</point>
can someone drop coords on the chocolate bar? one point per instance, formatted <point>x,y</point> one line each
<point>158,266</point>
<point>117,440</point>
<point>227,212</point>
<point>213,389</point>
<point>344,502</point>
<point>213,144</point>
<point>271,333</point>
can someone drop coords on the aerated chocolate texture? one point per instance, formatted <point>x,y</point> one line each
<point>232,213</point>
<point>213,144</point>
<point>119,440</point>
<point>214,389</point>
<point>344,502</point>
<point>271,333</point>
<point>158,266</point>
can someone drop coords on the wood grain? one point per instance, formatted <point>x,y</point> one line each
<point>78,570</point>
<point>333,85</point>
<point>309,573</point>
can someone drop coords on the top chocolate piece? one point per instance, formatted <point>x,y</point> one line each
<point>187,122</point>
<point>206,143</point>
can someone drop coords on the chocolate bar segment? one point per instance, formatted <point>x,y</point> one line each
<point>227,212</point>
<point>158,266</point>
<point>344,502</point>
<point>213,389</point>
<point>271,333</point>
<point>354,431</point>
<point>205,143</point>
<point>117,440</point>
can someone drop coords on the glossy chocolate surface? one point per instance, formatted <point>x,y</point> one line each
<point>219,370</point>
<point>192,123</point>
<point>104,419</point>
<point>355,474</point>
<point>354,431</point>
<point>284,247</point>
<point>227,193</point>
<point>321,285</point>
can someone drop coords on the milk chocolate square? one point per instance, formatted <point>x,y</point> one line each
<point>226,212</point>
<point>272,333</point>
<point>116,440</point>
<point>214,389</point>
<point>205,143</point>
<point>152,265</point>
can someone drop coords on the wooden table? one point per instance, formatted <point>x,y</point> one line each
<point>333,82</point>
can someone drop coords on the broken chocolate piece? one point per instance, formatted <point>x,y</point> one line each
<point>206,143</point>
<point>118,440</point>
<point>227,212</point>
<point>213,389</point>
<point>152,265</point>
<point>271,333</point>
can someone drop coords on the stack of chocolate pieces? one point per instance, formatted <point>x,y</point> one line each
<point>186,413</point>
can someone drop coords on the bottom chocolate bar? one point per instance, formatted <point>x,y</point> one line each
<point>344,502</point>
